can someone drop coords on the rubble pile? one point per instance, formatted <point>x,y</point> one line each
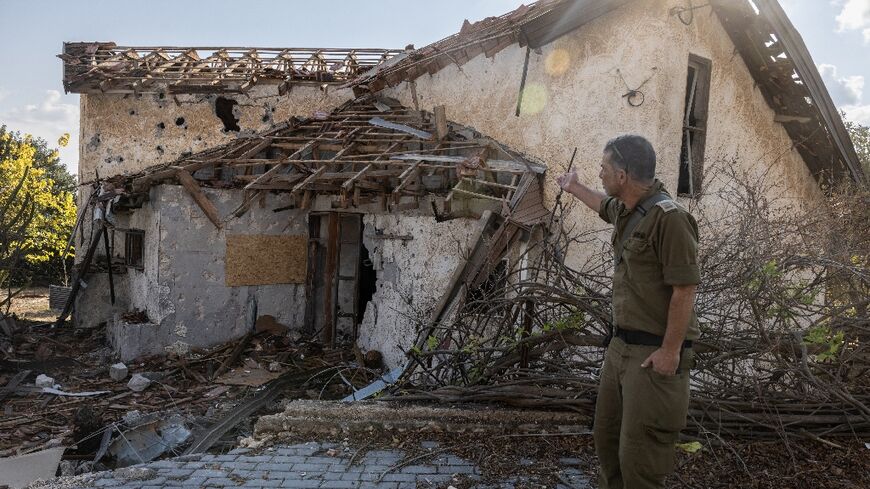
<point>62,388</point>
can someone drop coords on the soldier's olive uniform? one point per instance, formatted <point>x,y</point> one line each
<point>640,412</point>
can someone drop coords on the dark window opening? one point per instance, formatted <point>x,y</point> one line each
<point>223,108</point>
<point>134,248</point>
<point>694,127</point>
<point>487,297</point>
<point>368,279</point>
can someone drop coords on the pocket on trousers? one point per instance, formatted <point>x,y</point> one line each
<point>659,457</point>
<point>667,379</point>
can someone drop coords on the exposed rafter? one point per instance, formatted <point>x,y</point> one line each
<point>105,67</point>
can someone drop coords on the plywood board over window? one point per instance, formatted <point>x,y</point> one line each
<point>266,259</point>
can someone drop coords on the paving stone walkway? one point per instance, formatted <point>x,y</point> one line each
<point>310,465</point>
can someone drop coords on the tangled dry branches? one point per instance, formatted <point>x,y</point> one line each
<point>783,309</point>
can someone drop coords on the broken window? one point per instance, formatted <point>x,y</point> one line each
<point>223,108</point>
<point>694,127</point>
<point>134,248</point>
<point>488,296</point>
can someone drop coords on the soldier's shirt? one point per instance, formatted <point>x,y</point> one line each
<point>661,252</point>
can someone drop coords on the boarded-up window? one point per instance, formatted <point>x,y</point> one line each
<point>694,127</point>
<point>265,260</point>
<point>134,248</point>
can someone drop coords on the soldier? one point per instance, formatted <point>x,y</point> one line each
<point>644,392</point>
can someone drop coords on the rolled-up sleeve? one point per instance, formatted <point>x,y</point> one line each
<point>608,209</point>
<point>678,249</point>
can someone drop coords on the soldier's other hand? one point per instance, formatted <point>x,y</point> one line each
<point>567,180</point>
<point>664,362</point>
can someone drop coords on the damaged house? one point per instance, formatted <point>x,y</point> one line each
<point>350,192</point>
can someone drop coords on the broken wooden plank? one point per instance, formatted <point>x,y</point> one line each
<point>440,122</point>
<point>199,197</point>
<point>13,383</point>
<point>250,406</point>
<point>377,121</point>
<point>349,184</point>
<point>405,178</point>
<point>265,177</point>
<point>301,185</point>
<point>237,351</point>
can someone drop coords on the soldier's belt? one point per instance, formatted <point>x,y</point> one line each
<point>635,337</point>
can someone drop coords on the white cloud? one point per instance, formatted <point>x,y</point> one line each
<point>847,90</point>
<point>3,93</point>
<point>858,113</point>
<point>49,120</point>
<point>855,16</point>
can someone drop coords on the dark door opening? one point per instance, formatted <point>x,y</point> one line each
<point>340,278</point>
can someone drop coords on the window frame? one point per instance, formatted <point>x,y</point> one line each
<point>694,136</point>
<point>131,236</point>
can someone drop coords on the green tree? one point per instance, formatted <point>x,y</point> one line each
<point>37,210</point>
<point>861,139</point>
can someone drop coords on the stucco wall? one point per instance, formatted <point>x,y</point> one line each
<point>126,133</point>
<point>195,307</point>
<point>412,276</point>
<point>574,97</point>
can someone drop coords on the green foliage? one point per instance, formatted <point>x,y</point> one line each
<point>769,272</point>
<point>824,337</point>
<point>33,183</point>
<point>861,139</point>
<point>572,321</point>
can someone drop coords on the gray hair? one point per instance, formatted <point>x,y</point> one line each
<point>633,154</point>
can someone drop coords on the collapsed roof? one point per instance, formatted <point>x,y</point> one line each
<point>769,44</point>
<point>771,47</point>
<point>104,67</point>
<point>367,151</point>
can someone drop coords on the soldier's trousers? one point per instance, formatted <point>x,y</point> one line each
<point>638,417</point>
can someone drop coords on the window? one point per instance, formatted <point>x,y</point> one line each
<point>694,127</point>
<point>134,248</point>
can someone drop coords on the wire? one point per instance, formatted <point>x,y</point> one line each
<point>633,94</point>
<point>680,11</point>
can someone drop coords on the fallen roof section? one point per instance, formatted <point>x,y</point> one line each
<point>104,67</point>
<point>773,50</point>
<point>366,151</point>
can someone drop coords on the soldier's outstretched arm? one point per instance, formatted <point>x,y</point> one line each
<point>570,182</point>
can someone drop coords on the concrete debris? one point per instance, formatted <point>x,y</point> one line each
<point>138,383</point>
<point>118,372</point>
<point>20,471</point>
<point>43,380</point>
<point>379,419</point>
<point>136,473</point>
<point>151,438</point>
<point>130,417</point>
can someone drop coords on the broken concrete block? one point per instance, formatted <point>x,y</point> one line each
<point>138,383</point>
<point>130,417</point>
<point>135,473</point>
<point>43,380</point>
<point>118,372</point>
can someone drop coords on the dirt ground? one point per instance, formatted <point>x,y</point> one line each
<point>32,305</point>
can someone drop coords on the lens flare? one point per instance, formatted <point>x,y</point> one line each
<point>534,98</point>
<point>557,62</point>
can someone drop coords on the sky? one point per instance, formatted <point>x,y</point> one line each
<point>32,100</point>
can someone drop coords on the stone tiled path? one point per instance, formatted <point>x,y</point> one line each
<point>311,465</point>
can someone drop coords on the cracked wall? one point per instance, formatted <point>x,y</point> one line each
<point>124,133</point>
<point>574,97</point>
<point>411,276</point>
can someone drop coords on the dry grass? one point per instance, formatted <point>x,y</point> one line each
<point>32,305</point>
